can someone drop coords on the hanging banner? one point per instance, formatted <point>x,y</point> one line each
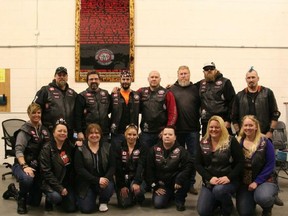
<point>104,38</point>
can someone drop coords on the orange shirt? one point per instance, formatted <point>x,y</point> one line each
<point>125,94</point>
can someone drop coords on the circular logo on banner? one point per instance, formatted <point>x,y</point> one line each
<point>104,56</point>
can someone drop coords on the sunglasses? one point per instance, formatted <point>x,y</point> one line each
<point>131,126</point>
<point>61,121</point>
<point>208,68</point>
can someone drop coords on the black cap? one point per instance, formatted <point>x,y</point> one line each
<point>61,70</point>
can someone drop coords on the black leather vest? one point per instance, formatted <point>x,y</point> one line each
<point>213,101</point>
<point>153,109</point>
<point>97,108</point>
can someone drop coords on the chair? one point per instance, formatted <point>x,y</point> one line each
<point>10,126</point>
<point>279,140</point>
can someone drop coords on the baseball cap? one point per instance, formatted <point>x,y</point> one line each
<point>209,64</point>
<point>61,70</point>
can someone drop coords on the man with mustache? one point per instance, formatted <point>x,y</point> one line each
<point>57,101</point>
<point>259,101</point>
<point>217,94</point>
<point>92,106</point>
<point>125,108</point>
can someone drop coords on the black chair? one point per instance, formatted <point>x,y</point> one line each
<point>10,126</point>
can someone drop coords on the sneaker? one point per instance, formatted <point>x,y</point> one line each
<point>103,207</point>
<point>278,201</point>
<point>193,190</point>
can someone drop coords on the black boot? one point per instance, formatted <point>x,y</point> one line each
<point>267,211</point>
<point>21,209</point>
<point>11,192</point>
<point>48,205</point>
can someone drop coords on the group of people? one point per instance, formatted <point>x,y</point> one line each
<point>77,147</point>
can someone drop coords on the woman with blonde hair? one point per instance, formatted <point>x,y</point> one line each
<point>258,185</point>
<point>219,161</point>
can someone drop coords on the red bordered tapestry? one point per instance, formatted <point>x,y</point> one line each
<point>104,38</point>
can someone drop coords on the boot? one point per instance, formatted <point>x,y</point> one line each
<point>22,208</point>
<point>267,211</point>
<point>48,205</point>
<point>11,192</point>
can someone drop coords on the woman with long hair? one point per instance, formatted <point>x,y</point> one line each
<point>258,185</point>
<point>219,160</point>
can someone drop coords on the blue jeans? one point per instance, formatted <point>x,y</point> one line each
<point>28,185</point>
<point>68,203</point>
<point>88,203</point>
<point>132,197</point>
<point>263,195</point>
<point>190,141</point>
<point>216,196</point>
<point>179,196</point>
<point>149,139</point>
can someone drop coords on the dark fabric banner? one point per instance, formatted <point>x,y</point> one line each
<point>104,38</point>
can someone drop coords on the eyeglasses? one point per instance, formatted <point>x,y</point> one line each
<point>131,126</point>
<point>208,68</point>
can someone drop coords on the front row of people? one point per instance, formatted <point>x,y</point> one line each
<point>73,176</point>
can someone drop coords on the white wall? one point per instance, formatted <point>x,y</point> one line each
<point>38,35</point>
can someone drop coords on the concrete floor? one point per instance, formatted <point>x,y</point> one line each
<point>8,207</point>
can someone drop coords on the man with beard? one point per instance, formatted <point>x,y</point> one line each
<point>259,101</point>
<point>92,106</point>
<point>217,94</point>
<point>158,109</point>
<point>57,101</point>
<point>187,125</point>
<point>125,108</point>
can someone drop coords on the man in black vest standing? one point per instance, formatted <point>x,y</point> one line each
<point>259,101</point>
<point>57,101</point>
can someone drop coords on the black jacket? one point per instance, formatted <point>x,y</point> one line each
<point>168,166</point>
<point>56,166</point>
<point>129,167</point>
<point>88,171</point>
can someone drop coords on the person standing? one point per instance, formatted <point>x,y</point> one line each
<point>158,109</point>
<point>29,141</point>
<point>92,106</point>
<point>125,108</point>
<point>258,184</point>
<point>259,101</point>
<point>187,124</point>
<point>169,167</point>
<point>217,94</point>
<point>220,162</point>
<point>57,101</point>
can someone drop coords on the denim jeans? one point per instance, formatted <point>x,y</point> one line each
<point>132,197</point>
<point>88,203</point>
<point>263,195</point>
<point>149,139</point>
<point>28,185</point>
<point>216,196</point>
<point>179,196</point>
<point>190,141</point>
<point>67,203</point>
